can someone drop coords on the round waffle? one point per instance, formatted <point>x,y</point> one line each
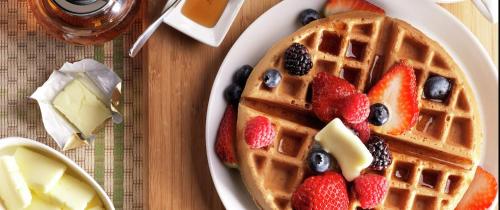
<point>433,163</point>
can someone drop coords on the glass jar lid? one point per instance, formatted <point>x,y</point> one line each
<point>82,7</point>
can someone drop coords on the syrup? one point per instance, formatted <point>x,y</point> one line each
<point>402,174</point>
<point>355,50</point>
<point>330,43</point>
<point>288,145</point>
<point>375,71</point>
<point>204,12</point>
<point>427,181</point>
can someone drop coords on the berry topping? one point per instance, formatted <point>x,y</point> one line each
<point>326,191</point>
<point>298,60</point>
<point>233,93</point>
<point>337,6</point>
<point>354,108</point>
<point>259,132</point>
<point>362,130</point>
<point>271,78</point>
<point>397,90</point>
<point>370,189</point>
<point>379,114</point>
<point>318,160</point>
<point>437,88</point>
<point>382,157</point>
<point>308,15</point>
<point>242,74</point>
<point>224,144</point>
<point>327,89</point>
<point>481,193</point>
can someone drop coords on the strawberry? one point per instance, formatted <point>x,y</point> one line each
<point>327,89</point>
<point>362,130</point>
<point>337,6</point>
<point>481,193</point>
<point>259,132</point>
<point>224,144</point>
<point>397,90</point>
<point>370,189</point>
<point>354,108</point>
<point>326,191</point>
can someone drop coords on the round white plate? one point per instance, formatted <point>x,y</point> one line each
<point>280,21</point>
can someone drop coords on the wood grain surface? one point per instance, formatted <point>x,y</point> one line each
<point>180,72</point>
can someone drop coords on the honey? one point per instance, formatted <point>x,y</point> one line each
<point>204,12</point>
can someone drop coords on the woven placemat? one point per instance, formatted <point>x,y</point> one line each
<point>27,57</point>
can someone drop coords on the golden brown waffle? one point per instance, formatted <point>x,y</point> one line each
<point>437,157</point>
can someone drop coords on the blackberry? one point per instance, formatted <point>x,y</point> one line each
<point>298,60</point>
<point>382,157</point>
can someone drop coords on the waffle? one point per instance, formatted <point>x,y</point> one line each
<point>433,163</point>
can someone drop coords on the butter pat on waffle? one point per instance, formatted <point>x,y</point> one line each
<point>433,163</point>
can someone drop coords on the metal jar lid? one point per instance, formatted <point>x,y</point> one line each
<point>82,7</point>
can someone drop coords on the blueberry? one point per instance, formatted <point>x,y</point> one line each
<point>437,88</point>
<point>318,160</point>
<point>242,74</point>
<point>379,114</point>
<point>271,78</point>
<point>233,93</point>
<point>307,16</point>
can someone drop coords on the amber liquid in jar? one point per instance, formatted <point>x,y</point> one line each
<point>204,12</point>
<point>85,22</point>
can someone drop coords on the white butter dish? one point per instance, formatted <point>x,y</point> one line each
<point>210,36</point>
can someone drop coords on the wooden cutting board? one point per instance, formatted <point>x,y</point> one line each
<point>180,72</point>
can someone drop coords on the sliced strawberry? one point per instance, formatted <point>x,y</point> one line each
<point>397,90</point>
<point>481,192</point>
<point>326,90</point>
<point>354,108</point>
<point>337,6</point>
<point>224,144</point>
<point>362,130</point>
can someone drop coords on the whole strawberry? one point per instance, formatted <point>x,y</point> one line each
<point>224,144</point>
<point>259,132</point>
<point>362,130</point>
<point>327,89</point>
<point>354,108</point>
<point>370,189</point>
<point>327,191</point>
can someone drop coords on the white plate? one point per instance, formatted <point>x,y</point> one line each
<point>7,146</point>
<point>210,36</point>
<point>280,21</point>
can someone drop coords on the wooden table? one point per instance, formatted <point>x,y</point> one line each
<point>180,72</point>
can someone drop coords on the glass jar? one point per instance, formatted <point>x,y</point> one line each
<point>85,22</point>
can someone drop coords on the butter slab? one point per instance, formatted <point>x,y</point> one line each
<point>40,172</point>
<point>40,204</point>
<point>14,191</point>
<point>349,151</point>
<point>81,107</point>
<point>72,193</point>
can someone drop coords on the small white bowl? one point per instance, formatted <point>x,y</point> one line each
<point>8,146</point>
<point>210,36</point>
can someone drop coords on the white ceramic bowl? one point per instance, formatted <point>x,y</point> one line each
<point>8,146</point>
<point>210,36</point>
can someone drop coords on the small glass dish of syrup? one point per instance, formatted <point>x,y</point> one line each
<point>207,21</point>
